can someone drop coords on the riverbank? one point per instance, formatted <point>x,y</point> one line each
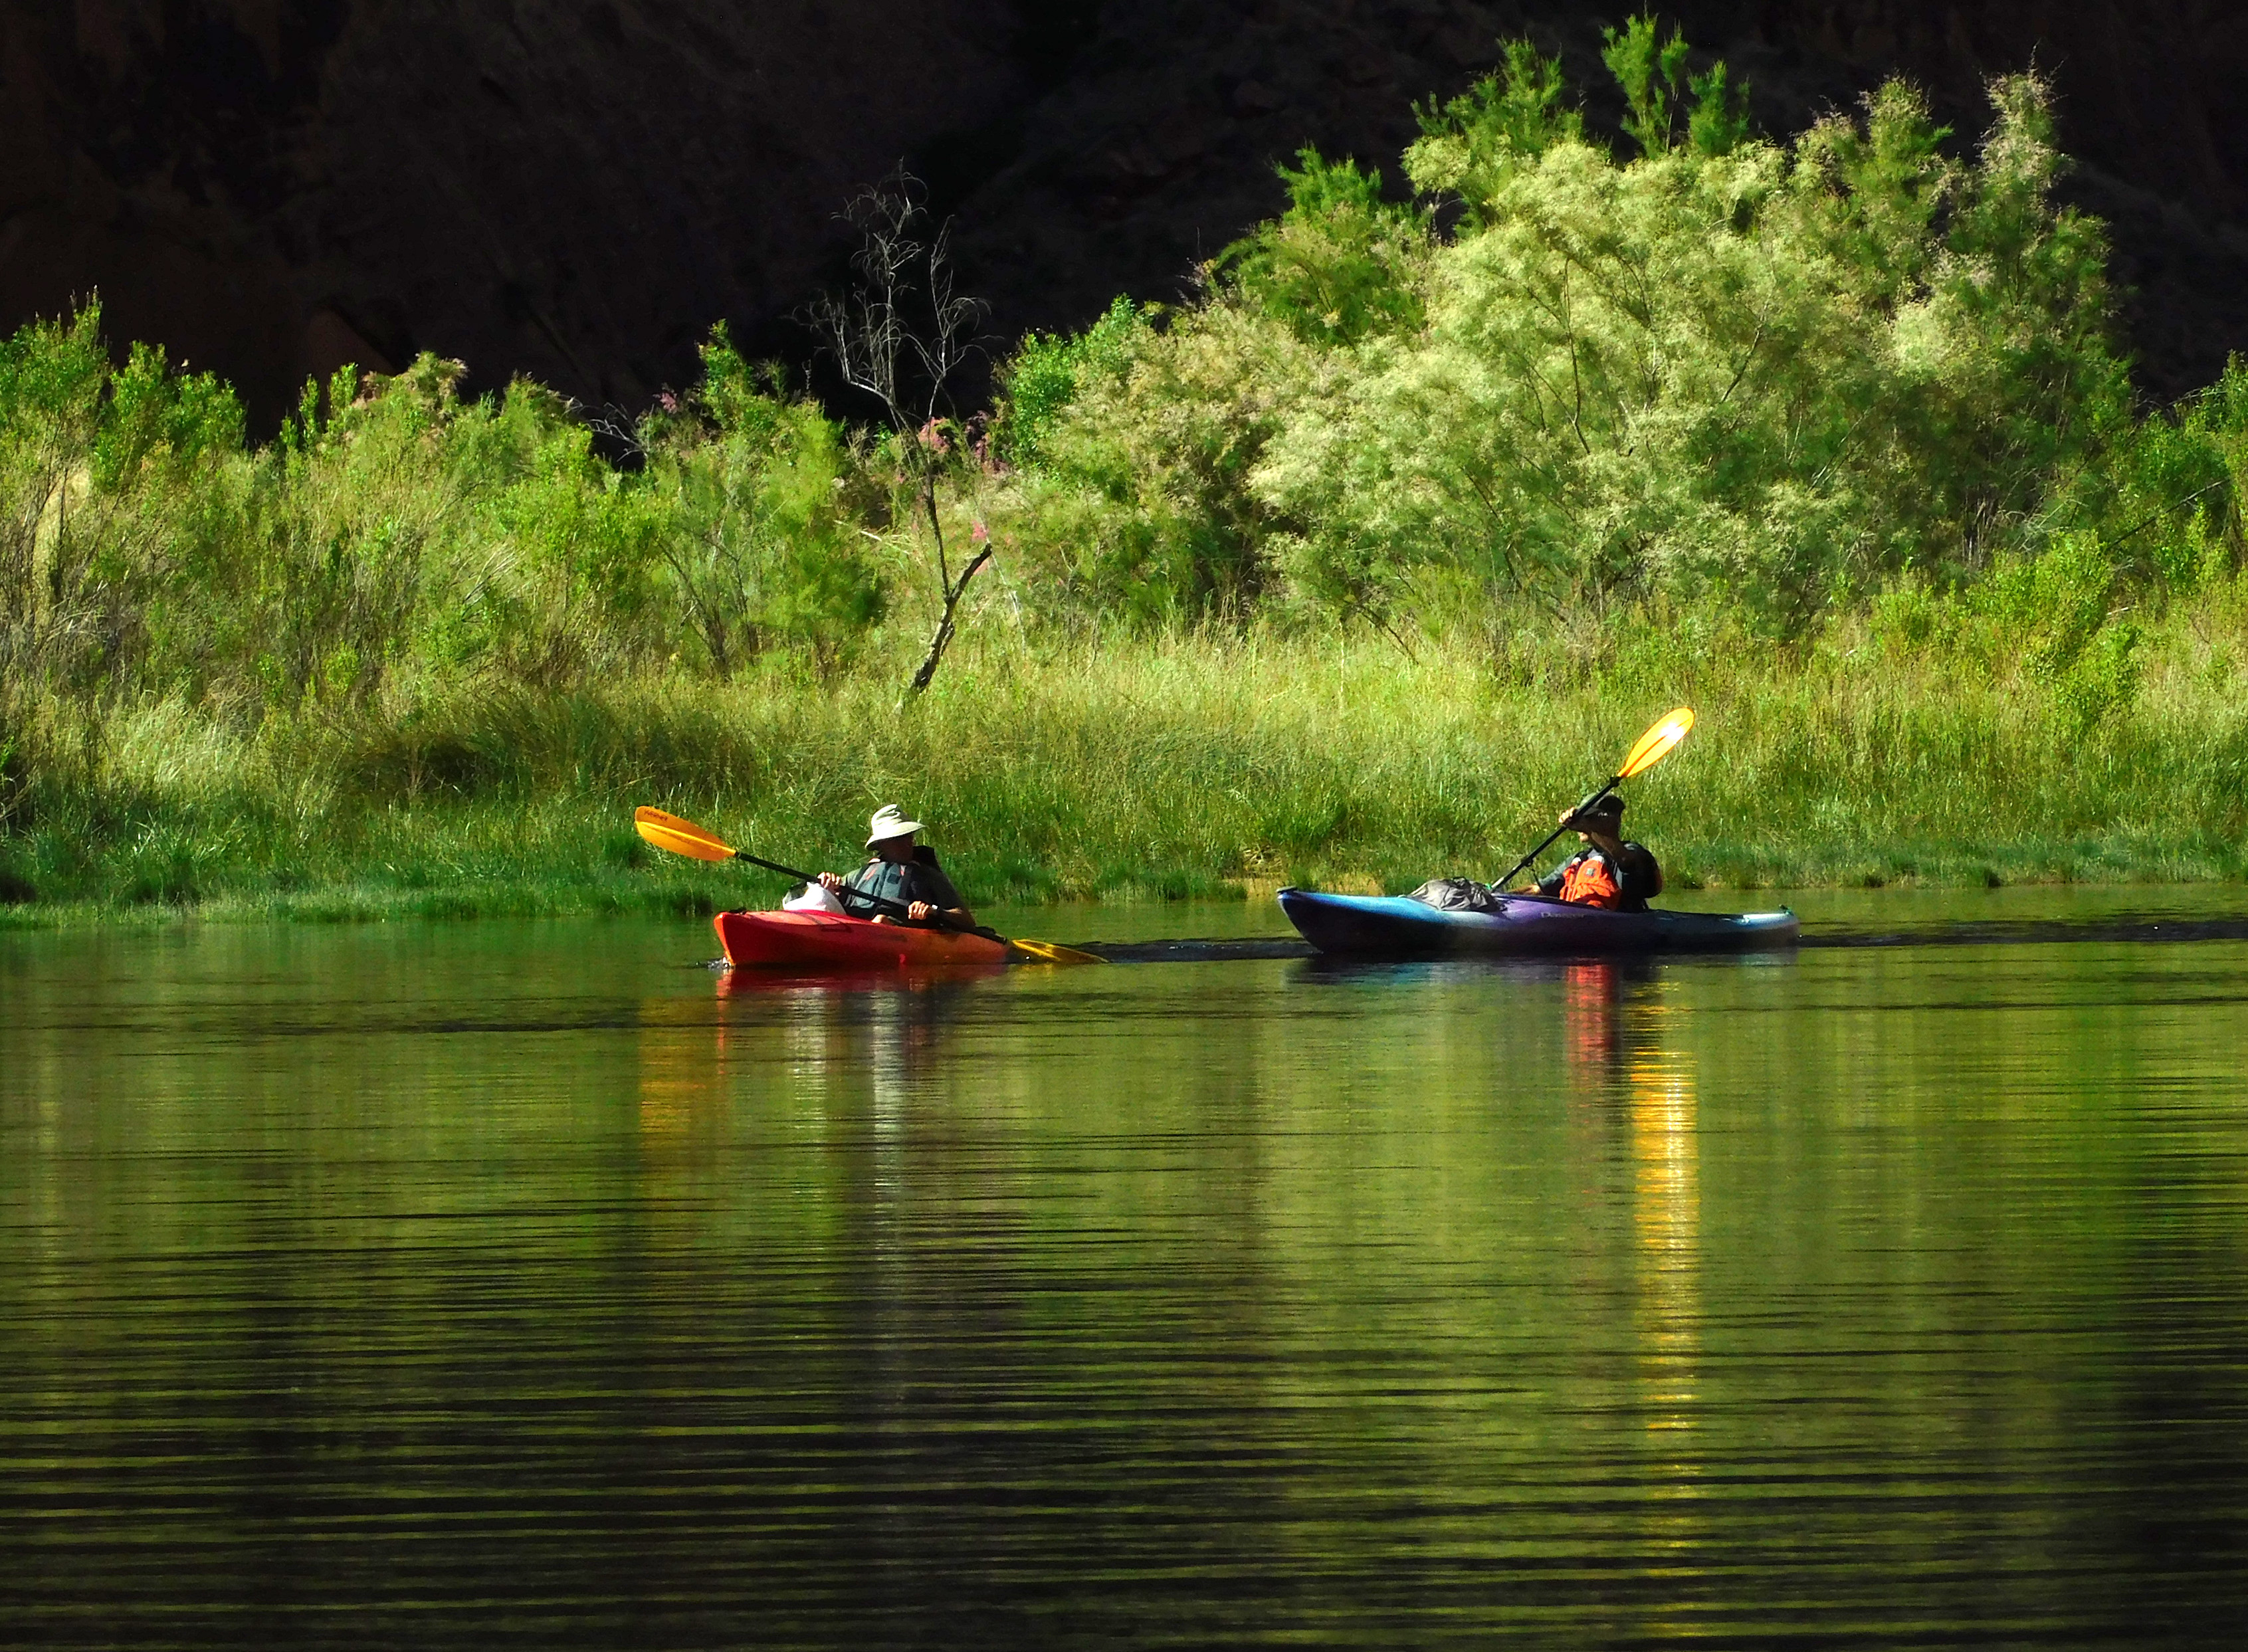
<point>1138,770</point>
<point>1314,578</point>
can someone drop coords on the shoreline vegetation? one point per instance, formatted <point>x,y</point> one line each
<point>1173,767</point>
<point>1350,573</point>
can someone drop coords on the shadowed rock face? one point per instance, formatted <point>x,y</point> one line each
<point>575,188</point>
<point>569,188</point>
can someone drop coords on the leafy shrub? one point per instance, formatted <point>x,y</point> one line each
<point>1470,145</point>
<point>1044,374</point>
<point>347,530</point>
<point>1719,371</point>
<point>2102,681</point>
<point>394,537</point>
<point>112,484</point>
<point>1168,442</point>
<point>1777,375</point>
<point>2051,604</point>
<point>1338,264</point>
<point>756,549</point>
<point>1907,616</point>
<point>2169,495</point>
<point>1656,86</point>
<point>2059,610</point>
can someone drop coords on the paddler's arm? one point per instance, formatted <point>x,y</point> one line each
<point>1551,884</point>
<point>953,911</point>
<point>921,912</point>
<point>836,884</point>
<point>917,911</point>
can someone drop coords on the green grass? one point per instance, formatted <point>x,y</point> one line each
<point>1194,766</point>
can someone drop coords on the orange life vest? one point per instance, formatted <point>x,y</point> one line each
<point>1589,881</point>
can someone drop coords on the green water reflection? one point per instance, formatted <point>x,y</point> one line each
<point>441,1286</point>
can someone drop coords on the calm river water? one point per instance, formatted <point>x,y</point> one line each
<point>517,1285</point>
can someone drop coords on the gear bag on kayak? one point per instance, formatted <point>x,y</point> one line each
<point>1457,894</point>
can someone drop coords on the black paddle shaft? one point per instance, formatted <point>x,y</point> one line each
<point>879,903</point>
<point>1531,859</point>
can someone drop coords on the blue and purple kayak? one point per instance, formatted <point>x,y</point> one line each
<point>1396,925</point>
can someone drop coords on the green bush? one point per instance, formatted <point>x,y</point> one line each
<point>2169,494</point>
<point>1470,144</point>
<point>114,486</point>
<point>1044,374</point>
<point>743,504</point>
<point>394,538</point>
<point>1164,444</point>
<point>1656,87</point>
<point>1339,263</point>
<point>1701,372</point>
<point>1777,374</point>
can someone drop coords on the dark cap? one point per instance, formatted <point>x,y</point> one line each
<point>1607,806</point>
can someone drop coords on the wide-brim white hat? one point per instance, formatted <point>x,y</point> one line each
<point>889,821</point>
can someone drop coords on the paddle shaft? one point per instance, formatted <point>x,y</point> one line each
<point>1531,858</point>
<point>878,903</point>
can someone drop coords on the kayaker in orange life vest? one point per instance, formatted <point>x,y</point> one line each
<point>1608,871</point>
<point>899,870</point>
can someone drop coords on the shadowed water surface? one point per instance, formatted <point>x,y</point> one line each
<point>516,1284</point>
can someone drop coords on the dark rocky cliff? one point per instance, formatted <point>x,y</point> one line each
<point>575,188</point>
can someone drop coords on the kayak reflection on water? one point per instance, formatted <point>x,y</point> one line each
<point>944,985</point>
<point>849,1026</point>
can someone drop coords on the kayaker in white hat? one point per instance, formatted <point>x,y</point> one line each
<point>899,869</point>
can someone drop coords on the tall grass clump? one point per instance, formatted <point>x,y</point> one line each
<point>1352,568</point>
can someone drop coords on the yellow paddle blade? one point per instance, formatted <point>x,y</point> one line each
<point>680,837</point>
<point>1050,952</point>
<point>1656,744</point>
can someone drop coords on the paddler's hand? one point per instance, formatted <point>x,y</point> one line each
<point>919,911</point>
<point>830,881</point>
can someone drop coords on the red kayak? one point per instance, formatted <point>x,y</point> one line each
<point>822,940</point>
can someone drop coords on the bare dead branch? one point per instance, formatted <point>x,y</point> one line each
<point>904,310</point>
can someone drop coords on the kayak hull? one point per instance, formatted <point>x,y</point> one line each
<point>1397,927</point>
<point>823,940</point>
